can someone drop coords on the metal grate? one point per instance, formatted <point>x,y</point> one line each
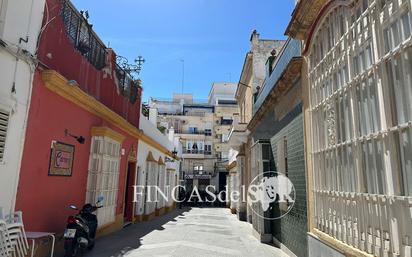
<point>83,38</point>
<point>128,86</point>
<point>4,121</point>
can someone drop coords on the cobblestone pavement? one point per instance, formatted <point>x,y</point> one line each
<point>197,232</point>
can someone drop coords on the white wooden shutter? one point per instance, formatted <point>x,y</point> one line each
<point>4,121</point>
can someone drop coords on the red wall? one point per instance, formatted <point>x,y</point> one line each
<point>44,199</point>
<point>57,52</point>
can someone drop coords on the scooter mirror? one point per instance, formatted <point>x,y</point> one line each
<point>73,207</point>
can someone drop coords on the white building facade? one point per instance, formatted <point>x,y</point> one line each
<point>359,61</point>
<point>20,25</point>
<point>192,124</point>
<point>156,168</point>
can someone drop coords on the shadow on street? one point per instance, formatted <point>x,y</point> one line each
<point>128,239</point>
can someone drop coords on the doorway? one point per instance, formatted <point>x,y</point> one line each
<point>128,198</point>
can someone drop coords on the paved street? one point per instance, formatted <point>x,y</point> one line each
<point>196,232</point>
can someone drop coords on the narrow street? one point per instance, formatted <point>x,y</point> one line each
<point>189,232</point>
<point>295,115</point>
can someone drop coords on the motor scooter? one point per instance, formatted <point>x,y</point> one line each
<point>80,231</point>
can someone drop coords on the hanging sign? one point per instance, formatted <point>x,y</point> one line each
<point>61,159</point>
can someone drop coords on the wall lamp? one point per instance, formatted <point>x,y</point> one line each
<point>174,155</point>
<point>174,152</point>
<point>79,139</point>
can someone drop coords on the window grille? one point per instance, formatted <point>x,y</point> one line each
<point>360,99</point>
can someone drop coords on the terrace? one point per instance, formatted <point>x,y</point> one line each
<point>85,40</point>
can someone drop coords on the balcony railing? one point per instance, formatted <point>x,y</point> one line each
<point>190,101</point>
<point>196,151</point>
<point>368,222</point>
<point>128,86</point>
<point>83,38</point>
<point>291,49</point>
<point>191,132</point>
<point>195,114</point>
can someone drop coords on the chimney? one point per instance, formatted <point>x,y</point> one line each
<point>171,134</point>
<point>153,116</point>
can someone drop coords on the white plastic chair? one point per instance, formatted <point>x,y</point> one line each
<point>17,234</point>
<point>16,221</point>
<point>3,246</point>
<point>6,248</point>
<point>16,242</point>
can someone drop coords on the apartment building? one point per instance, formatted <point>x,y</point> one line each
<point>203,128</point>
<point>192,123</point>
<point>222,97</point>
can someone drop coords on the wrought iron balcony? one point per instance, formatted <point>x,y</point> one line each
<point>192,151</point>
<point>196,151</point>
<point>126,74</point>
<point>128,86</point>
<point>190,132</point>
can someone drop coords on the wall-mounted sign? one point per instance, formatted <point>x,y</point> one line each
<point>61,159</point>
<point>198,176</point>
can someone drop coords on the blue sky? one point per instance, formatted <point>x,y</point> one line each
<point>211,36</point>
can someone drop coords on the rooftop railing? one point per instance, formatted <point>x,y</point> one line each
<point>189,101</point>
<point>128,86</point>
<point>86,41</point>
<point>83,38</point>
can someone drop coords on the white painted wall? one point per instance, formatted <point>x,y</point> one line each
<point>223,91</point>
<point>18,19</point>
<point>151,169</point>
<point>151,130</point>
<point>143,171</point>
<point>153,116</point>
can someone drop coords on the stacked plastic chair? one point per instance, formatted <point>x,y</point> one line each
<point>13,241</point>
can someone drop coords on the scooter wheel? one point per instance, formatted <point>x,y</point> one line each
<point>70,251</point>
<point>91,246</point>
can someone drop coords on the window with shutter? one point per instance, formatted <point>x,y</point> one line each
<point>4,121</point>
<point>103,177</point>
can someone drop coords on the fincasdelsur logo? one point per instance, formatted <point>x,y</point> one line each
<point>271,195</point>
